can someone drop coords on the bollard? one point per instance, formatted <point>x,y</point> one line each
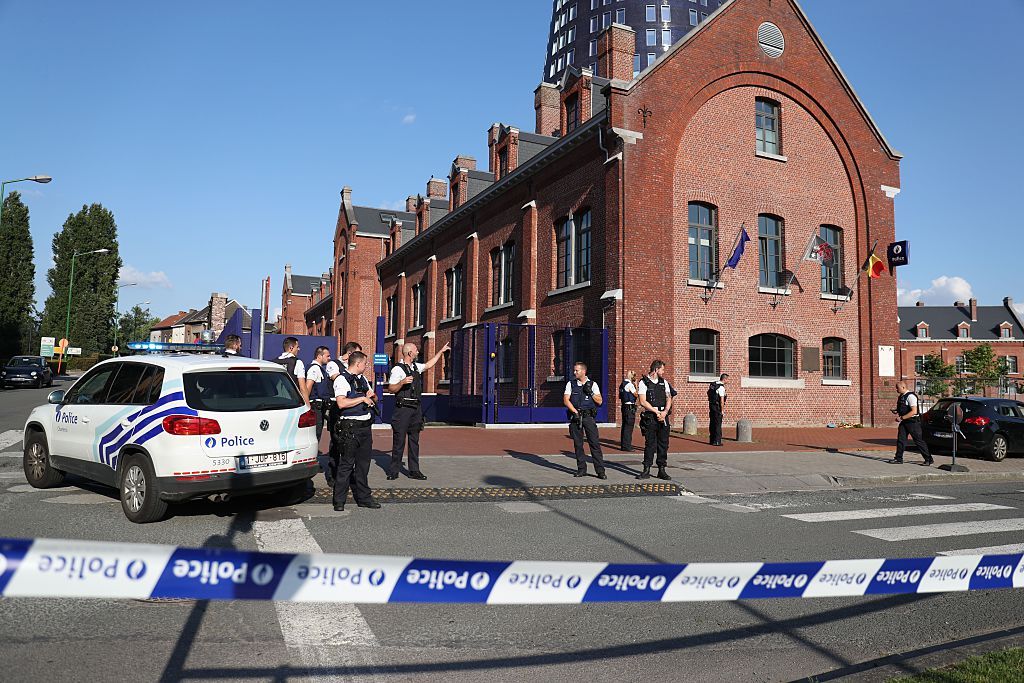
<point>690,424</point>
<point>744,431</point>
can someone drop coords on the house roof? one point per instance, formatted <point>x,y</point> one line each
<point>375,221</point>
<point>302,285</point>
<point>943,321</point>
<point>169,321</point>
<point>195,316</point>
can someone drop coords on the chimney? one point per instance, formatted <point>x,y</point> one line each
<point>436,189</point>
<point>218,311</point>
<point>615,49</point>
<point>346,195</point>
<point>974,309</point>
<point>548,104</point>
<point>396,235</point>
<point>959,304</point>
<point>920,304</point>
<point>410,204</point>
<point>468,163</point>
<point>1008,302</point>
<point>492,155</point>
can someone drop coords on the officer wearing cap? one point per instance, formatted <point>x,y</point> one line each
<point>655,397</point>
<point>354,398</point>
<point>582,397</point>
<point>716,408</point>
<point>406,383</point>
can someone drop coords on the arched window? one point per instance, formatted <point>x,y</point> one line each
<point>771,355</point>
<point>703,352</point>
<point>832,349</point>
<point>703,241</point>
<point>573,249</point>
<point>770,241</point>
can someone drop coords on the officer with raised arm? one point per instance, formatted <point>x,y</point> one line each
<point>351,428</point>
<point>655,397</point>
<point>406,383</point>
<point>581,398</point>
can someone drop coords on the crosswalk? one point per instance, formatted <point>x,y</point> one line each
<point>11,437</point>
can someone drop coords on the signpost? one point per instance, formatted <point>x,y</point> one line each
<point>46,347</point>
<point>380,360</point>
<point>956,415</point>
<point>75,351</point>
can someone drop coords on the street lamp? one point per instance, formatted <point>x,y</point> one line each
<point>71,283</point>
<point>35,179</point>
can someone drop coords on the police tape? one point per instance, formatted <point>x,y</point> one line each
<point>84,569</point>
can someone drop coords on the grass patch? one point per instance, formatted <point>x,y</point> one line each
<point>1005,666</point>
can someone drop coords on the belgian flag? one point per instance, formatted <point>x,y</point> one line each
<point>874,266</point>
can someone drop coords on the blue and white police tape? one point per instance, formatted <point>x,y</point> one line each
<point>84,569</point>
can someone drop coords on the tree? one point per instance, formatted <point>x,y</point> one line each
<point>134,325</point>
<point>937,374</point>
<point>17,273</point>
<point>985,368</point>
<point>95,287</point>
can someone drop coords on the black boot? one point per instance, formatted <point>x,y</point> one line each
<point>646,474</point>
<point>662,474</point>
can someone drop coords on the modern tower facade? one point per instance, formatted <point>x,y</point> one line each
<point>575,25</point>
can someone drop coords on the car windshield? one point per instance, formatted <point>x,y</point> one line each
<point>25,360</point>
<point>235,391</point>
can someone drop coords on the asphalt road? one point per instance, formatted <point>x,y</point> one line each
<point>775,640</point>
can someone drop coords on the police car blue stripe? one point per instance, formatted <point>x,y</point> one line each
<point>164,400</point>
<point>113,448</point>
<point>123,570</point>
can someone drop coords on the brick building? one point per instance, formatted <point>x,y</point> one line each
<point>949,331</point>
<point>296,292</point>
<point>623,220</point>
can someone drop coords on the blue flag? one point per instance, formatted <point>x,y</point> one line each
<point>737,253</point>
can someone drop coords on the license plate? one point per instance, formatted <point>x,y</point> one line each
<point>943,435</point>
<point>253,462</point>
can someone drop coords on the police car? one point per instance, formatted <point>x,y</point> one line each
<point>170,428</point>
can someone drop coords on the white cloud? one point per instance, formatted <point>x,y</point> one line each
<point>944,291</point>
<point>152,280</point>
<point>409,119</point>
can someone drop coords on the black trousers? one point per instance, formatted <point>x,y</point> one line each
<point>911,428</point>
<point>406,424</point>
<point>589,431</point>
<point>655,442</point>
<point>716,427</point>
<point>353,464</point>
<point>326,460</point>
<point>628,422</point>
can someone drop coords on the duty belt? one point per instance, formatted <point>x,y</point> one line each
<point>408,403</point>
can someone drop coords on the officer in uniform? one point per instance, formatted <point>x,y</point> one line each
<point>582,398</point>
<point>907,407</point>
<point>296,369</point>
<point>351,429</point>
<point>233,345</point>
<point>716,407</point>
<point>655,397</point>
<point>627,397</point>
<point>406,383</point>
<point>321,395</point>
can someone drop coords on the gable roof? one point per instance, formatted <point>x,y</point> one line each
<point>943,322</point>
<point>302,285</point>
<point>169,321</point>
<point>375,221</point>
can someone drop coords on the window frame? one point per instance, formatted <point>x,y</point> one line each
<point>666,13</point>
<point>419,304</point>
<point>651,13</point>
<point>833,363</point>
<point>574,245</point>
<point>694,237</point>
<point>767,111</point>
<point>572,112</point>
<point>832,276</point>
<point>767,277</point>
<point>788,363</point>
<point>698,366</point>
<point>502,274</point>
<point>693,17</point>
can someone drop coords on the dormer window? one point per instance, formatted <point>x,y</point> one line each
<point>963,331</point>
<point>572,113</point>
<point>922,330</point>
<point>1005,331</point>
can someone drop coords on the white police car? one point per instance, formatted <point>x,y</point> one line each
<point>170,428</point>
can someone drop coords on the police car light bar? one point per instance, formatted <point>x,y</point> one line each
<point>167,347</point>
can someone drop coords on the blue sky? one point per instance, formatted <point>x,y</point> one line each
<point>220,134</point>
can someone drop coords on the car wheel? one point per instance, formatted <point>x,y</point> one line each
<point>998,448</point>
<point>36,463</point>
<point>140,495</point>
<point>39,383</point>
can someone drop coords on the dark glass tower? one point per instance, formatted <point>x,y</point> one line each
<point>575,25</point>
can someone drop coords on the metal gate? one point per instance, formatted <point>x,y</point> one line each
<point>506,374</point>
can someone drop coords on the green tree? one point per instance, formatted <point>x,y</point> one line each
<point>937,374</point>
<point>17,273</point>
<point>986,369</point>
<point>94,290</point>
<point>134,325</point>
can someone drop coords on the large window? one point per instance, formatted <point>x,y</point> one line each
<point>769,233</point>
<point>502,271</point>
<point>572,112</point>
<point>767,118</point>
<point>832,275</point>
<point>652,36</point>
<point>771,355</point>
<point>1011,364</point>
<point>832,358</point>
<point>703,352</point>
<point>652,13</point>
<point>392,314</point>
<point>419,304</point>
<point>573,249</point>
<point>961,364</point>
<point>453,292</point>
<point>620,16</point>
<point>666,13</point>
<point>666,37</point>
<point>693,17</point>
<point>703,241</point>
<point>918,365</point>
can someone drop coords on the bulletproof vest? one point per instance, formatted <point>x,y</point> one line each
<point>656,394</point>
<point>714,400</point>
<point>582,396</point>
<point>289,363</point>
<point>414,390</point>
<point>358,386</point>
<point>323,389</point>
<point>625,396</point>
<point>903,403</point>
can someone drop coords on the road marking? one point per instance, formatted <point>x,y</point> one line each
<point>878,513</point>
<point>12,454</point>
<point>733,507</point>
<point>688,497</point>
<point>933,496</point>
<point>1011,549</point>
<point>314,631</point>
<point>24,488</point>
<point>910,533</point>
<point>518,507</point>
<point>82,499</point>
<point>9,438</point>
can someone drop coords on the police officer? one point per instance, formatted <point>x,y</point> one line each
<point>582,398</point>
<point>296,369</point>
<point>627,397</point>
<point>336,366</point>
<point>655,397</point>
<point>233,345</point>
<point>320,390</point>
<point>351,428</point>
<point>716,407</point>
<point>406,383</point>
<point>909,417</point>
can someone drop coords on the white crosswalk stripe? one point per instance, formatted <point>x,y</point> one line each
<point>9,438</point>
<point>909,533</point>
<point>879,513</point>
<point>1011,549</point>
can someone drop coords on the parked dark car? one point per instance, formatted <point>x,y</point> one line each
<point>992,426</point>
<point>26,371</point>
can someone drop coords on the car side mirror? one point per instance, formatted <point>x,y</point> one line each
<point>56,397</point>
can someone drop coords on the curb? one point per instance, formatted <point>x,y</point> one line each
<point>945,478</point>
<point>486,494</point>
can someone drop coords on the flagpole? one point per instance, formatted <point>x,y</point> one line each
<point>712,283</point>
<point>735,242</point>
